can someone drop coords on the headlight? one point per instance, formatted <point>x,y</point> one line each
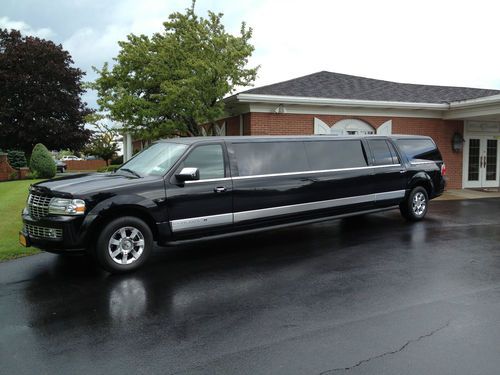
<point>62,206</point>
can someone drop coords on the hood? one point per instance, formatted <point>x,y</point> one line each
<point>88,184</point>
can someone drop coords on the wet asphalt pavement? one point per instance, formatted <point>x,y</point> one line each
<point>367,295</point>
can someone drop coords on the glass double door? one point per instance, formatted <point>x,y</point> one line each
<point>482,158</point>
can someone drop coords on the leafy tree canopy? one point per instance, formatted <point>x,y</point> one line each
<point>40,95</point>
<point>171,82</point>
<point>103,140</point>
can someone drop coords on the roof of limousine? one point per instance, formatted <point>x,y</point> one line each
<point>256,138</point>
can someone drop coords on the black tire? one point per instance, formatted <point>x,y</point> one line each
<point>415,206</point>
<point>122,237</point>
<point>63,170</point>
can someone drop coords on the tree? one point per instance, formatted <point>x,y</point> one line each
<point>40,95</point>
<point>103,140</point>
<point>170,83</point>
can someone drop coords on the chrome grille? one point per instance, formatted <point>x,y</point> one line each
<point>38,205</point>
<point>43,232</point>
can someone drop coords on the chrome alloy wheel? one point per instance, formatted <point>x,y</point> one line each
<point>126,245</point>
<point>419,203</point>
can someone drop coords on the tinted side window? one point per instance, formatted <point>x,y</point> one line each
<point>270,157</point>
<point>381,152</point>
<point>419,149</point>
<point>335,154</point>
<point>395,157</point>
<point>208,159</point>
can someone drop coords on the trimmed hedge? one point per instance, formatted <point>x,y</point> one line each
<point>41,163</point>
<point>17,159</point>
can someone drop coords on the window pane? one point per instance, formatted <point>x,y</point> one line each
<point>419,149</point>
<point>395,157</point>
<point>208,159</point>
<point>335,154</point>
<point>491,159</point>
<point>381,152</point>
<point>473,174</point>
<point>270,157</point>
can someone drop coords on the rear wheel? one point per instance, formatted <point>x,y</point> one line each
<point>124,245</point>
<point>415,206</point>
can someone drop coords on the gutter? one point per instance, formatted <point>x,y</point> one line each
<point>298,100</point>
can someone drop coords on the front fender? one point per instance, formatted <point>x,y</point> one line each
<point>148,207</point>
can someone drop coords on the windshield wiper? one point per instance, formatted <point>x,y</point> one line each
<point>130,171</point>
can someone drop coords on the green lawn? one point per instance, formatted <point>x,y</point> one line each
<point>12,200</point>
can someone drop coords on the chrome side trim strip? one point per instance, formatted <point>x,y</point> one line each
<point>317,171</point>
<point>295,208</point>
<point>390,195</point>
<point>208,180</point>
<point>229,218</point>
<point>200,222</point>
<point>422,162</point>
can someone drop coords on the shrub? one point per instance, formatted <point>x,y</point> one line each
<point>109,168</point>
<point>41,162</point>
<point>118,160</point>
<point>17,159</point>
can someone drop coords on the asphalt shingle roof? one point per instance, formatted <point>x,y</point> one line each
<point>342,86</point>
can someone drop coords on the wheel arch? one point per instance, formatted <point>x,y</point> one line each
<point>112,213</point>
<point>424,180</point>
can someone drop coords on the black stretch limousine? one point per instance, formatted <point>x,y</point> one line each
<point>190,188</point>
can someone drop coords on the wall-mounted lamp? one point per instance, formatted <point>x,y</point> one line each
<point>457,142</point>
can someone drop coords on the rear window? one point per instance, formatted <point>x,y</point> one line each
<point>419,149</point>
<point>270,157</point>
<point>324,155</point>
<point>383,153</point>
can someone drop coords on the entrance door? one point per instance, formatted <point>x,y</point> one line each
<point>482,162</point>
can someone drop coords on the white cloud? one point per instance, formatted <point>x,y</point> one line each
<point>434,42</point>
<point>24,28</point>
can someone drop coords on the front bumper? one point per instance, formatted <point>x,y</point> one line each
<point>54,233</point>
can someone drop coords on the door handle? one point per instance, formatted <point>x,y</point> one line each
<point>220,189</point>
<point>402,171</point>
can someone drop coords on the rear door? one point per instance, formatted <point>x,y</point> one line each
<point>389,174</point>
<point>342,175</point>
<point>270,181</point>
<point>205,205</point>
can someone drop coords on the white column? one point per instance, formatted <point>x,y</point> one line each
<point>127,147</point>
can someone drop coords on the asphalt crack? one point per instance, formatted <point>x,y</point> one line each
<point>402,348</point>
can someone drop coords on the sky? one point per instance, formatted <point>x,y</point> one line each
<point>430,42</point>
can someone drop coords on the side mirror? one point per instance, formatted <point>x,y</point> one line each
<point>188,174</point>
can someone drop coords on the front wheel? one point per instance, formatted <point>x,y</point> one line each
<point>415,206</point>
<point>124,245</point>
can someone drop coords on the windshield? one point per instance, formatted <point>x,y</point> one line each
<point>156,160</point>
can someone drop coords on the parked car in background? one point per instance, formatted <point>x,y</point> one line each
<point>70,157</point>
<point>187,189</point>
<point>60,166</point>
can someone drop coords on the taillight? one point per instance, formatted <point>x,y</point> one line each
<point>443,169</point>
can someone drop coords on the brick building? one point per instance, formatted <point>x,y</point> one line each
<point>464,122</point>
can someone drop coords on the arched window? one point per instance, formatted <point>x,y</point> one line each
<point>343,127</point>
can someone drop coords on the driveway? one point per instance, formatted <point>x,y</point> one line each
<point>366,295</point>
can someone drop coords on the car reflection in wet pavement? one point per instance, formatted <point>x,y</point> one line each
<point>372,294</point>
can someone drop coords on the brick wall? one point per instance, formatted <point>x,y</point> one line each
<point>6,171</point>
<point>302,124</point>
<point>84,165</point>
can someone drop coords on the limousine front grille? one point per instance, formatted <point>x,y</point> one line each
<point>38,206</point>
<point>43,232</point>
